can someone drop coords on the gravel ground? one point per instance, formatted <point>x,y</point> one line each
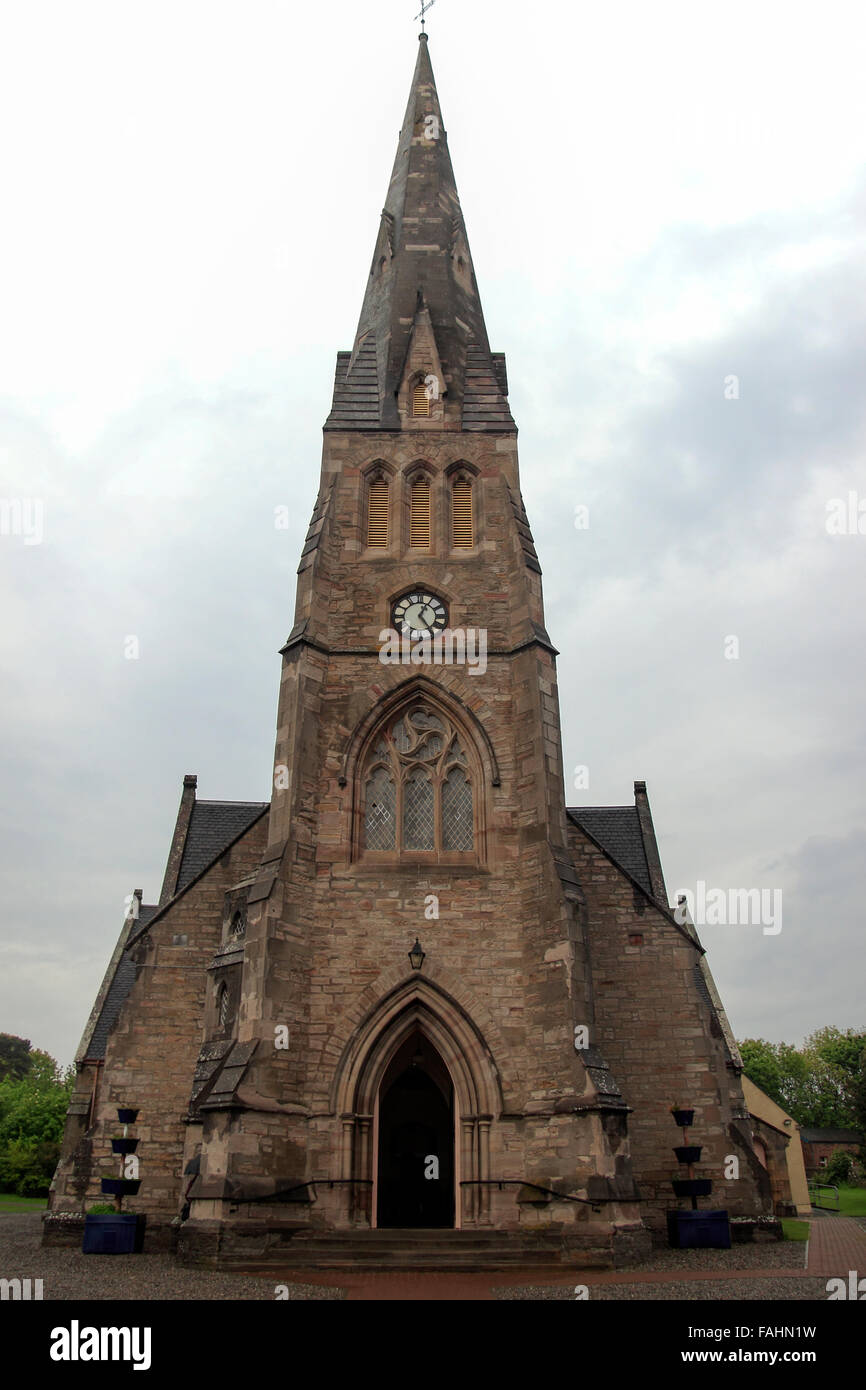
<point>698,1290</point>
<point>782,1254</point>
<point>68,1274</point>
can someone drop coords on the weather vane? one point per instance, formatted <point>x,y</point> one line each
<point>425,6</point>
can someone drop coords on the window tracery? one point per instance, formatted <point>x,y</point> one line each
<point>418,787</point>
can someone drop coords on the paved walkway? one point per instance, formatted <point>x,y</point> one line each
<point>837,1246</point>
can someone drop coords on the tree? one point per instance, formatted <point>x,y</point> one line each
<point>32,1114</point>
<point>818,1083</point>
<point>14,1056</point>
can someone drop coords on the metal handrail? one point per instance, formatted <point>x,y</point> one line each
<point>298,1187</point>
<point>525,1182</point>
<point>827,1187</point>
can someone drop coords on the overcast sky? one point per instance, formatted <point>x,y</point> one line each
<point>659,198</point>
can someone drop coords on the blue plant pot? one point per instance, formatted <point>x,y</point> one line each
<point>124,1146</point>
<point>120,1187</point>
<point>117,1233</point>
<point>699,1230</point>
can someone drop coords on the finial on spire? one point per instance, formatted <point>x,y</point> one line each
<point>425,6</point>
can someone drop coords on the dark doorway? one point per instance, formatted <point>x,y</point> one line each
<point>416,1140</point>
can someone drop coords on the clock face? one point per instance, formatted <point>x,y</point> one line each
<point>423,614</point>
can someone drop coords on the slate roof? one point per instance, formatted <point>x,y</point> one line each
<point>617,830</point>
<point>124,979</point>
<point>213,826</point>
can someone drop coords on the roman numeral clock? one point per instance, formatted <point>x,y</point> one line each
<point>420,614</point>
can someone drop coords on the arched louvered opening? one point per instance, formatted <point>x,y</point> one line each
<point>378,497</point>
<point>462,519</point>
<point>419,514</point>
<point>420,400</point>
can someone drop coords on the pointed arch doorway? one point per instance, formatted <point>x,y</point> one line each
<point>415,1140</point>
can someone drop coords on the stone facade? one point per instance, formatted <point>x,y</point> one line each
<point>270,1007</point>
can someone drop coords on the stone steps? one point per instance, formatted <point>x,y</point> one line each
<point>431,1250</point>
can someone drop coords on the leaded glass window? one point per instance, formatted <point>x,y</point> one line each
<point>457,830</point>
<point>381,810</point>
<point>418,811</point>
<point>417,787</point>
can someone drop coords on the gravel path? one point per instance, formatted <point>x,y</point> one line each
<point>782,1254</point>
<point>68,1274</point>
<point>698,1290</point>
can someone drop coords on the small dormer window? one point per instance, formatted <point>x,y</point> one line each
<point>420,401</point>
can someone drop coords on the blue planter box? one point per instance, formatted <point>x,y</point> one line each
<point>699,1230</point>
<point>117,1233</point>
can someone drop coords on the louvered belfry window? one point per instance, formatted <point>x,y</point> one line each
<point>420,400</point>
<point>419,514</point>
<point>462,521</point>
<point>417,787</point>
<point>377,514</point>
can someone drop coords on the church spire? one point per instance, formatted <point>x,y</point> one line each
<point>421,279</point>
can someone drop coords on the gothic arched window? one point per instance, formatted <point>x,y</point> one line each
<point>239,927</point>
<point>223,1006</point>
<point>417,787</point>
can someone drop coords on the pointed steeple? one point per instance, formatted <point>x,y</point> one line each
<point>421,281</point>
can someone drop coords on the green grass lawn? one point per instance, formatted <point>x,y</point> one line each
<point>9,1201</point>
<point>795,1230</point>
<point>852,1201</point>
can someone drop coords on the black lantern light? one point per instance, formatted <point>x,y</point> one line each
<point>416,955</point>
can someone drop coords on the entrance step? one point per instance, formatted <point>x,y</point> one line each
<point>405,1250</point>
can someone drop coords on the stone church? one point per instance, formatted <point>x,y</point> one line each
<point>414,991</point>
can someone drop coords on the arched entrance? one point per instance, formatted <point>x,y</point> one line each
<point>415,1013</point>
<point>415,1150</point>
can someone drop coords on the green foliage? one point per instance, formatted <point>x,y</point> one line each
<point>822,1084</point>
<point>27,1169</point>
<point>102,1209</point>
<point>838,1168</point>
<point>32,1114</point>
<point>14,1056</point>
